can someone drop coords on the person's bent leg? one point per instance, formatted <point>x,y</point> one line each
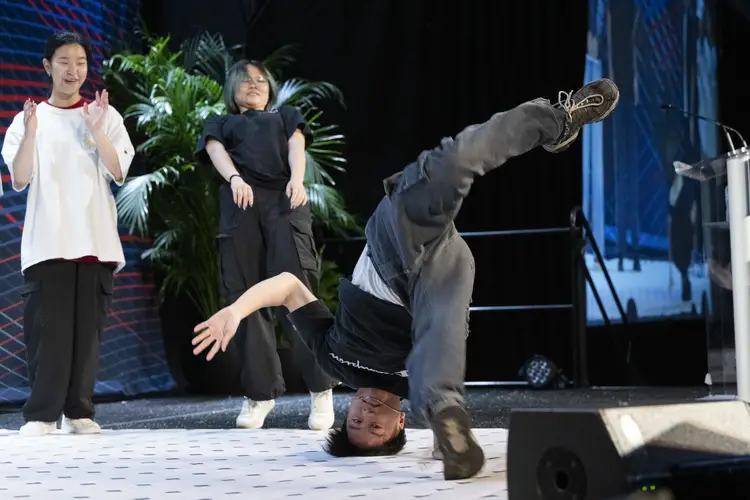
<point>437,362</point>
<point>428,193</point>
<point>423,199</point>
<point>49,315</point>
<point>93,296</point>
<point>291,248</point>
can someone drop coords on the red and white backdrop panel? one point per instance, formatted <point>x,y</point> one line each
<point>132,359</point>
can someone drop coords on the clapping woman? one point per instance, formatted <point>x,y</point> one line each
<point>67,152</point>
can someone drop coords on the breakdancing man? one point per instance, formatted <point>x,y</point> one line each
<point>405,309</point>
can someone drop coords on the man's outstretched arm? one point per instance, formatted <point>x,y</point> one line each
<point>284,289</point>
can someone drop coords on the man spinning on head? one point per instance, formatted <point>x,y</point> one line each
<point>405,309</point>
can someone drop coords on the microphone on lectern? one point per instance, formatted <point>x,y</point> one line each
<point>725,128</point>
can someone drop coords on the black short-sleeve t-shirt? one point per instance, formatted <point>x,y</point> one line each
<point>258,143</point>
<point>365,345</point>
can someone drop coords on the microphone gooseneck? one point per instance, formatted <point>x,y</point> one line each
<point>726,129</point>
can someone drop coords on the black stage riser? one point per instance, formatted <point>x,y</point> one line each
<point>698,450</point>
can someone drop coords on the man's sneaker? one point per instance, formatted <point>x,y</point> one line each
<point>461,454</point>
<point>80,426</point>
<point>591,104</point>
<point>254,413</point>
<point>321,411</point>
<point>437,453</point>
<point>35,429</point>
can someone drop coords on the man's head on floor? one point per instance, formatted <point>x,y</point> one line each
<point>374,426</point>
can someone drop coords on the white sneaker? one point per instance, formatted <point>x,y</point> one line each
<point>80,426</point>
<point>35,429</point>
<point>254,413</point>
<point>321,411</point>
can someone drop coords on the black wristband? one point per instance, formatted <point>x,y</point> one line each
<point>233,176</point>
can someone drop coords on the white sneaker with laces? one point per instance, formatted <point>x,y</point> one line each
<point>80,426</point>
<point>322,415</point>
<point>254,413</point>
<point>36,429</point>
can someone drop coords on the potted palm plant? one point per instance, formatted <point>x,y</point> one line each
<point>174,201</point>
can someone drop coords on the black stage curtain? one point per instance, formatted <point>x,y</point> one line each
<point>415,71</point>
<point>733,37</point>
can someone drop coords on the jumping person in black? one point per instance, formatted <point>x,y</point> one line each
<point>405,309</point>
<point>265,229</point>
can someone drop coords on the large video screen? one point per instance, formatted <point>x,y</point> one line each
<point>646,220</point>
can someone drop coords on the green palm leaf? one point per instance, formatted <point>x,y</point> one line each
<point>329,210</point>
<point>133,198</point>
<point>280,59</point>
<point>305,94</point>
<point>207,54</point>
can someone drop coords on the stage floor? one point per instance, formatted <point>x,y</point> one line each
<point>186,448</point>
<point>215,464</point>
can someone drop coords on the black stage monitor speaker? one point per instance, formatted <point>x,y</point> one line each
<point>697,450</point>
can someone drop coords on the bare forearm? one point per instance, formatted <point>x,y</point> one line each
<point>108,155</point>
<point>23,164</point>
<point>221,160</point>
<point>284,289</point>
<point>297,156</point>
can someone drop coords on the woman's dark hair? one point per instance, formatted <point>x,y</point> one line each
<point>338,445</point>
<point>60,38</point>
<point>236,75</point>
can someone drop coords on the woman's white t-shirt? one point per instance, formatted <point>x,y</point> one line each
<point>70,209</point>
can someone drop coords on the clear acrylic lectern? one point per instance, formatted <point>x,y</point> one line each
<point>725,207</point>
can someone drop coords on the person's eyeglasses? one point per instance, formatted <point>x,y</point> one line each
<point>259,81</point>
<point>370,398</point>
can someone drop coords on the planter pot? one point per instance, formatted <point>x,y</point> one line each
<point>193,373</point>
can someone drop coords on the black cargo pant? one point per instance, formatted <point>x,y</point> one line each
<point>254,244</point>
<point>65,309</point>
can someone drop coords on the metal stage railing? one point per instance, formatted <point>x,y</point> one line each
<point>581,235</point>
<point>477,234</point>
